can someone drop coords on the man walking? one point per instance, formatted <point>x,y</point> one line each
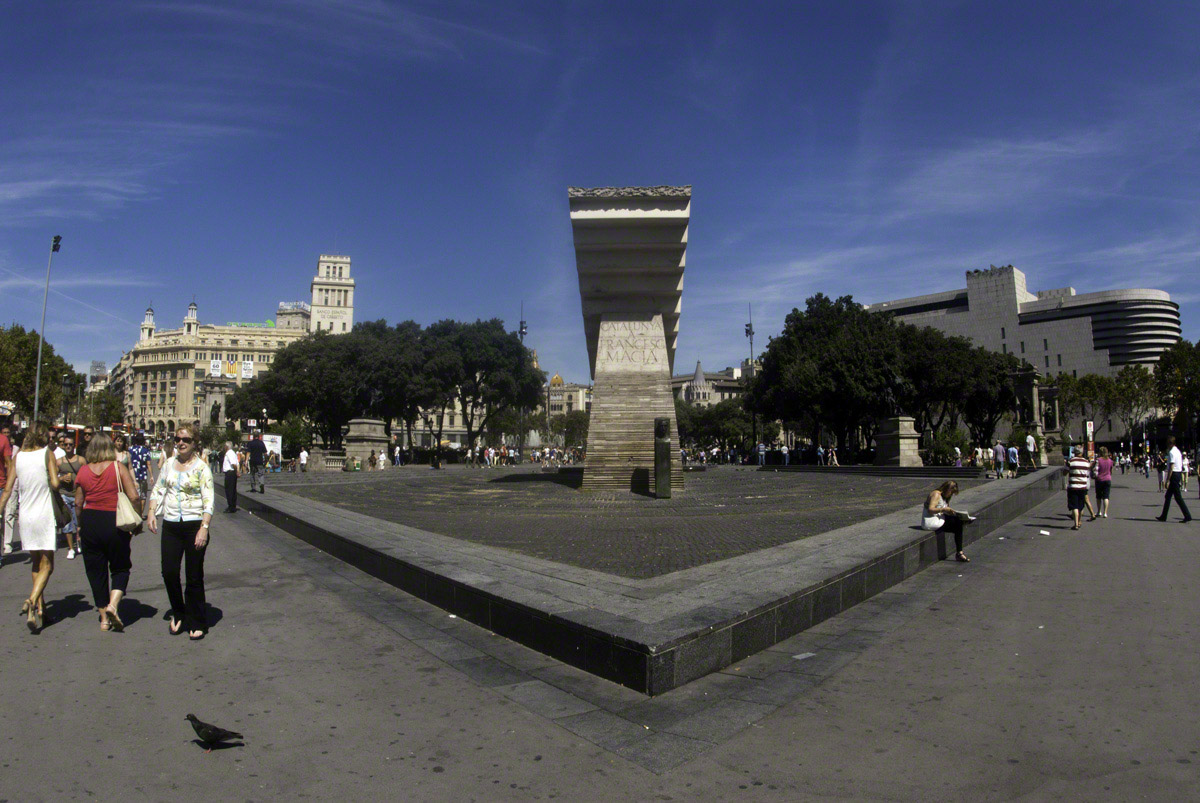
<point>1013,465</point>
<point>258,464</point>
<point>231,467</point>
<point>785,454</point>
<point>1174,472</point>
<point>303,460</point>
<point>1079,468</point>
<point>998,455</point>
<point>762,453</point>
<point>1031,447</point>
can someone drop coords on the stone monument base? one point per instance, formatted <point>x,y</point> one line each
<point>364,436</point>
<point>896,443</point>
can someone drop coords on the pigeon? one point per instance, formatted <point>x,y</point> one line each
<point>211,735</point>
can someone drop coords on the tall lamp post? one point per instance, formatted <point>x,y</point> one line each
<point>66,389</point>
<point>37,381</point>
<point>750,334</point>
<point>521,332</point>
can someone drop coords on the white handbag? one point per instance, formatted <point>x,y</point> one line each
<point>128,519</point>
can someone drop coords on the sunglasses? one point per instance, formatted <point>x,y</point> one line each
<point>184,440</point>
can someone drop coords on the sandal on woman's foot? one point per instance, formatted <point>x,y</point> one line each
<point>32,620</point>
<point>961,558</point>
<point>114,622</point>
<point>25,607</point>
<point>104,622</point>
<point>175,626</point>
<point>196,635</point>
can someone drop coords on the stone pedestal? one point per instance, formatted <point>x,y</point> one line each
<point>364,436</point>
<point>896,443</point>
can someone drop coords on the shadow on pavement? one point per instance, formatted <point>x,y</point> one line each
<point>573,479</point>
<point>133,610</point>
<point>66,608</point>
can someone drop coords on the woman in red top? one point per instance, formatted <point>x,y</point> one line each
<point>105,546</point>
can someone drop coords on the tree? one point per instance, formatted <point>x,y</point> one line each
<point>572,426</point>
<point>497,374</point>
<point>991,393</point>
<point>104,408</point>
<point>1178,383</point>
<point>18,373</point>
<point>936,369</point>
<point>1097,399</point>
<point>1135,394</point>
<point>835,361</point>
<point>440,377</point>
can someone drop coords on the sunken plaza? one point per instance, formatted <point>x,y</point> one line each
<point>631,569</point>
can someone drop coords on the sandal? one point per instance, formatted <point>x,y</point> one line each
<point>25,607</point>
<point>175,626</point>
<point>104,622</point>
<point>33,620</point>
<point>961,558</point>
<point>196,635</point>
<point>114,621</point>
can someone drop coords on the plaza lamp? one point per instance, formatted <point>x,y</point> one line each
<point>37,381</point>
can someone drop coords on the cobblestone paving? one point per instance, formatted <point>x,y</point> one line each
<point>725,512</point>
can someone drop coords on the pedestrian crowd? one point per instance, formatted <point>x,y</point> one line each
<point>98,495</point>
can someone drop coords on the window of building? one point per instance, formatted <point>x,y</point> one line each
<point>199,373</point>
<point>233,342</point>
<point>1004,348</point>
<point>1075,373</point>
<point>1022,346</point>
<point>1001,332</point>
<point>1047,360</point>
<point>1060,361</point>
<point>1045,344</point>
<point>343,326</point>
<point>450,420</point>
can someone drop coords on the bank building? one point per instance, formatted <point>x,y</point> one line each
<point>183,375</point>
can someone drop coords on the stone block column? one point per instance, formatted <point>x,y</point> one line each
<point>630,252</point>
<point>897,443</point>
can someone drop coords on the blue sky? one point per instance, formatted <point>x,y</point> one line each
<point>878,149</point>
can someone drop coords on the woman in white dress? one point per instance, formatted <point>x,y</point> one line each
<point>37,471</point>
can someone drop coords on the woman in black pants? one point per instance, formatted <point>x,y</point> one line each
<point>105,546</point>
<point>938,515</point>
<point>184,496</point>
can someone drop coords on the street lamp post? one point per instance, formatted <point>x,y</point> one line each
<point>750,334</point>
<point>37,381</point>
<point>66,389</point>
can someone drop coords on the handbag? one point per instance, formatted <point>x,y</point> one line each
<point>62,514</point>
<point>128,519</point>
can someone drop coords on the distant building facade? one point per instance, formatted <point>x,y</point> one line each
<point>1055,331</point>
<point>184,375</point>
<point>705,389</point>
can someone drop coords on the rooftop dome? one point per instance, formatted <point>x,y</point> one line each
<point>557,381</point>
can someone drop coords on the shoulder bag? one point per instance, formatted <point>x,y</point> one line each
<point>128,518</point>
<point>62,514</point>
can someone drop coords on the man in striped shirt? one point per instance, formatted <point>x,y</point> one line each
<point>1078,469</point>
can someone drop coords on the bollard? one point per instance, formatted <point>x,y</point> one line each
<point>662,458</point>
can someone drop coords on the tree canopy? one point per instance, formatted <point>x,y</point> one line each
<point>18,369</point>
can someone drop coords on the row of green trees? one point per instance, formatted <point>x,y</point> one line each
<point>401,372</point>
<point>837,368</point>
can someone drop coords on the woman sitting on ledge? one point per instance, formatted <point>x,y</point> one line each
<point>938,515</point>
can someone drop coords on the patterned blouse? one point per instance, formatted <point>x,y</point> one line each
<point>183,495</point>
<point>139,455</point>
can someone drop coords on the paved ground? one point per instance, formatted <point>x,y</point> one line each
<point>725,512</point>
<point>1052,666</point>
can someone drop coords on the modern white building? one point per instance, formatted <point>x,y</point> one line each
<point>1055,331</point>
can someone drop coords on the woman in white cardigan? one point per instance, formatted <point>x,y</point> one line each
<point>183,495</point>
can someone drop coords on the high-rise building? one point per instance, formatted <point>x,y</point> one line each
<point>332,295</point>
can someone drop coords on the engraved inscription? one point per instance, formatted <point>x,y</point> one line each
<point>632,345</point>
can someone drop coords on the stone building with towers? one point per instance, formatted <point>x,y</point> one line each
<point>173,376</point>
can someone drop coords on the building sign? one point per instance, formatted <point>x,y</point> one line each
<point>274,443</point>
<point>214,368</point>
<point>247,325</point>
<point>247,369</point>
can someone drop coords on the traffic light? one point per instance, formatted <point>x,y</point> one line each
<point>55,243</point>
<point>749,330</point>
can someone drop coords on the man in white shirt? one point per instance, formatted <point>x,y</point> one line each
<point>1031,447</point>
<point>785,454</point>
<point>232,468</point>
<point>1174,470</point>
<point>303,460</point>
